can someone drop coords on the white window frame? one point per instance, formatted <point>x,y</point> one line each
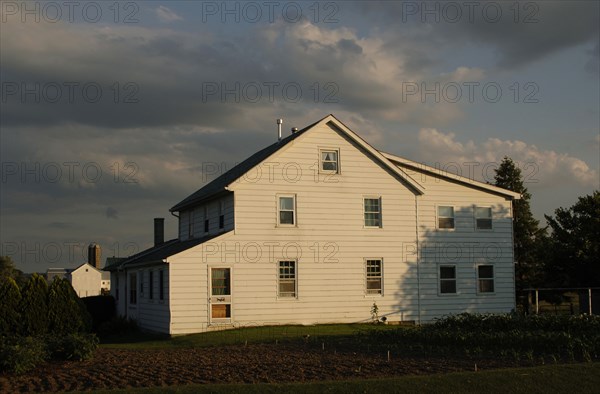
<point>321,161</point>
<point>440,279</point>
<point>491,218</point>
<point>438,217</point>
<point>280,279</point>
<point>368,292</point>
<point>479,279</point>
<point>294,210</point>
<point>365,211</point>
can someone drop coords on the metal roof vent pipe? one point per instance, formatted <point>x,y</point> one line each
<point>159,231</point>
<point>294,130</point>
<point>279,123</point>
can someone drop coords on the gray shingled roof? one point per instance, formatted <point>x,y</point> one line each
<point>216,187</point>
<point>158,253</point>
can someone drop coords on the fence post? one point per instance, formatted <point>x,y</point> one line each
<point>590,301</point>
<point>537,303</point>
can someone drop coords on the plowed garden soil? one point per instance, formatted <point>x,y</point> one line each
<point>126,368</point>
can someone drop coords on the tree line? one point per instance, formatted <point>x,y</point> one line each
<point>564,253</point>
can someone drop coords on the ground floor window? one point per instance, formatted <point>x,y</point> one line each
<point>287,279</point>
<point>374,271</point>
<point>485,278</point>
<point>447,277</point>
<point>161,284</point>
<point>132,288</point>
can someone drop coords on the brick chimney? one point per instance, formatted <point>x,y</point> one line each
<point>159,231</point>
<point>94,255</point>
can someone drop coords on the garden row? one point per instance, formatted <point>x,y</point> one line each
<point>554,338</point>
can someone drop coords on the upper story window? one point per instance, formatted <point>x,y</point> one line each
<point>287,210</point>
<point>330,161</point>
<point>151,284</point>
<point>206,222</point>
<point>221,214</point>
<point>191,224</point>
<point>372,211</point>
<point>445,217</point>
<point>483,218</point>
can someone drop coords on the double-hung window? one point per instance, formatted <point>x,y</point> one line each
<point>330,161</point>
<point>483,218</point>
<point>372,212</point>
<point>447,279</point>
<point>485,278</point>
<point>374,270</point>
<point>445,215</point>
<point>287,279</point>
<point>286,210</point>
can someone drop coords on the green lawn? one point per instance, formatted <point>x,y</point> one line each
<point>568,378</point>
<point>263,334</point>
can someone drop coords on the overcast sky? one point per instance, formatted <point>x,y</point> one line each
<point>113,114</point>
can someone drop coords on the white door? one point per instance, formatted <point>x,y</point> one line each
<point>220,295</point>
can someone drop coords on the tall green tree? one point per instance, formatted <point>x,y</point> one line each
<point>8,269</point>
<point>10,318</point>
<point>66,312</point>
<point>575,243</point>
<point>528,237</point>
<point>33,306</point>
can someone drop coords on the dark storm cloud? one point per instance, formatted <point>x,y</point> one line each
<point>60,225</point>
<point>519,34</point>
<point>112,213</point>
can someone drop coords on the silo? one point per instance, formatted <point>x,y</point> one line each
<point>94,255</point>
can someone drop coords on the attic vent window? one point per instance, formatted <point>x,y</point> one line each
<point>330,161</point>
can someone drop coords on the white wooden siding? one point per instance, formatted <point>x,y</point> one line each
<point>334,243</point>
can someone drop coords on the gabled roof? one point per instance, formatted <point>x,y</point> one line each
<point>219,185</point>
<point>451,177</point>
<point>158,254</point>
<point>83,265</point>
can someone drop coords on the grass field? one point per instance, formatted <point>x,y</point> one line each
<point>567,378</point>
<point>262,334</point>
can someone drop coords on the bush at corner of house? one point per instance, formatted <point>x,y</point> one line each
<point>75,346</point>
<point>101,308</point>
<point>118,325</point>
<point>21,354</point>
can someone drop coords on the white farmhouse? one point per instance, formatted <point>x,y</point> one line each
<point>86,279</point>
<point>315,229</point>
